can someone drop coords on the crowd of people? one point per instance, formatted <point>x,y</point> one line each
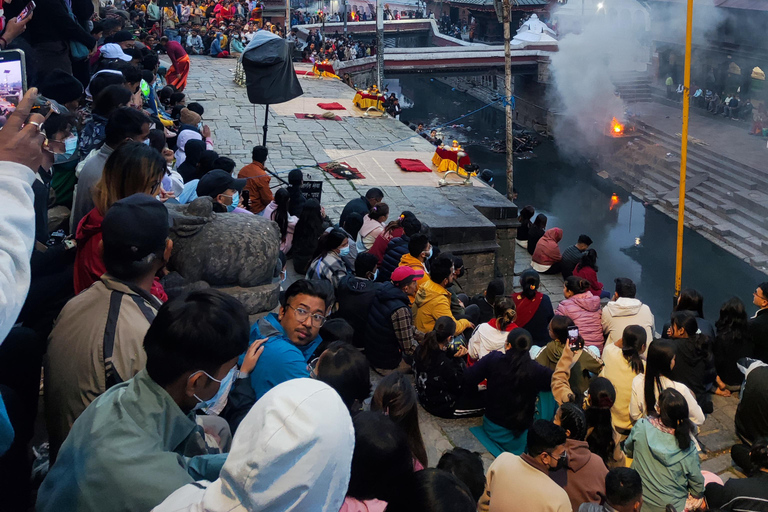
<point>181,402</point>
<point>334,49</point>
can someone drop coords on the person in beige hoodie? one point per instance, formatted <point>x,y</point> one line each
<point>523,484</point>
<point>623,310</point>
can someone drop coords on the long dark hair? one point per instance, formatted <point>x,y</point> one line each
<point>733,319</point>
<point>445,327</point>
<point>280,214</point>
<point>691,300</point>
<point>310,224</point>
<point>530,282</point>
<point>330,241</point>
<point>541,221</point>
<point>673,412</point>
<point>685,320</point>
<point>395,397</point>
<point>589,259</point>
<point>659,362</point>
<point>601,396</point>
<point>633,340</point>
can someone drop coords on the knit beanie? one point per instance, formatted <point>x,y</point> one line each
<point>189,117</point>
<point>61,87</point>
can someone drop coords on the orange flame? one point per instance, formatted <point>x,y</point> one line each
<point>614,202</point>
<point>616,127</point>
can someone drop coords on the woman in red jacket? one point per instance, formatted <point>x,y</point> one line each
<point>587,268</point>
<point>133,168</point>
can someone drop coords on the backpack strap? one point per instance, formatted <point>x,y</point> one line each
<point>115,301</point>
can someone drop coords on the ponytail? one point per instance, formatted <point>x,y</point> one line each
<point>445,327</point>
<point>380,210</point>
<point>634,339</point>
<point>576,285</point>
<point>504,312</point>
<point>398,222</point>
<point>673,412</point>
<point>280,214</point>
<point>530,281</point>
<point>602,396</point>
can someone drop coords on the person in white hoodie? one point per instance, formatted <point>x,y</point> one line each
<point>624,310</point>
<point>20,156</point>
<point>293,451</point>
<point>492,335</point>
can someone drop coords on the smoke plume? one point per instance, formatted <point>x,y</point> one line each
<point>613,45</point>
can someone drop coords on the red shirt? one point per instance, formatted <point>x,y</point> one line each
<point>175,51</point>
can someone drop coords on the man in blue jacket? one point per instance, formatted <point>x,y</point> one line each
<point>292,335</point>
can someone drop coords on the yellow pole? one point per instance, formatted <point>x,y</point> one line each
<point>684,150</point>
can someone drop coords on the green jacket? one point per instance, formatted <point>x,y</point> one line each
<point>129,450</point>
<point>669,474</point>
<point>579,380</point>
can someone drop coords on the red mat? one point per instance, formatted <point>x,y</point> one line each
<point>317,117</point>
<point>412,165</point>
<point>302,72</point>
<point>354,174</point>
<point>331,106</point>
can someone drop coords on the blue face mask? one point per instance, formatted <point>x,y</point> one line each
<point>344,251</point>
<point>429,254</point>
<point>216,404</point>
<point>70,146</point>
<point>375,275</point>
<point>235,202</point>
<point>145,142</point>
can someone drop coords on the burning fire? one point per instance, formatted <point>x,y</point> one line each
<point>614,199</point>
<point>616,127</point>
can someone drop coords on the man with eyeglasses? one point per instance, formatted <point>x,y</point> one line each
<point>758,324</point>
<point>139,441</point>
<point>292,335</point>
<point>523,483</point>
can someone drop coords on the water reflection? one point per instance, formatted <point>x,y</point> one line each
<point>631,240</point>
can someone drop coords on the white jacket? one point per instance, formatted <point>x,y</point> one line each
<point>622,312</point>
<point>17,239</point>
<point>292,452</point>
<point>485,340</point>
<point>637,400</point>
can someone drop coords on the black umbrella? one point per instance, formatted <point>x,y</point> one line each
<point>269,74</point>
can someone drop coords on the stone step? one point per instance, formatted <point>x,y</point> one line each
<point>731,178</point>
<point>710,157</point>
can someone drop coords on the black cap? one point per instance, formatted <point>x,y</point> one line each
<point>135,227</point>
<point>215,182</point>
<point>61,86</point>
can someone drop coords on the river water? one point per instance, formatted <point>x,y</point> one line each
<point>631,240</point>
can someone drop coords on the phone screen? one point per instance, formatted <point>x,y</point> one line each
<point>574,341</point>
<point>13,79</point>
<point>26,11</point>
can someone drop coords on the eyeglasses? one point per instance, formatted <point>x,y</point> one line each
<point>302,314</point>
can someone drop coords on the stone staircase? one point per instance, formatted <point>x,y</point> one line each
<point>724,198</point>
<point>633,87</point>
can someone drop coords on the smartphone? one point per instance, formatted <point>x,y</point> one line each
<point>26,11</point>
<point>574,341</point>
<point>13,79</point>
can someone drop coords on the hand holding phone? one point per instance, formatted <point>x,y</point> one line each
<point>575,342</point>
<point>26,12</point>
<point>19,142</point>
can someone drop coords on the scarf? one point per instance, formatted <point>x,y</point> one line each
<point>526,307</point>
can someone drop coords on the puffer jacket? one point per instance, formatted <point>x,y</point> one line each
<point>584,310</point>
<point>432,302</point>
<point>396,248</point>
